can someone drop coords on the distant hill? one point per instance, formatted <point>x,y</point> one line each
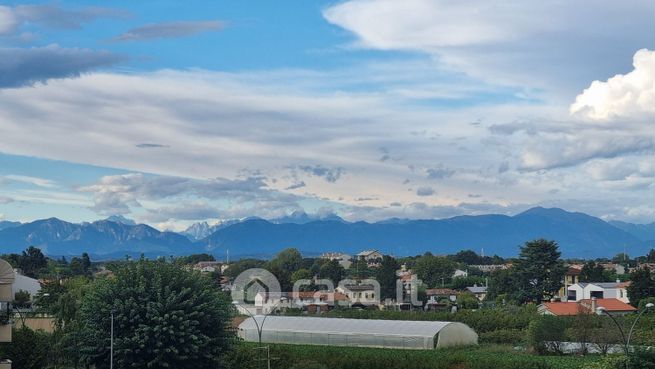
<point>578,234</point>
<point>645,232</point>
<point>102,238</point>
<point>7,224</point>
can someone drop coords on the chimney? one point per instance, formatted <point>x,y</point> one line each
<point>593,304</point>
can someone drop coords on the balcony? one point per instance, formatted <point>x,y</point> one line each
<point>5,364</point>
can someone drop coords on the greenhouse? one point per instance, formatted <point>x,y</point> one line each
<point>400,334</point>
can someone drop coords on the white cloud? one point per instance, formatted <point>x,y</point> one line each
<point>429,25</point>
<point>36,181</point>
<point>551,45</point>
<point>630,95</point>
<point>169,30</point>
<point>53,16</point>
<point>8,21</point>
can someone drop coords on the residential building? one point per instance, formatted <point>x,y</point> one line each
<point>440,298</point>
<point>586,306</point>
<point>571,277</point>
<point>26,284</point>
<point>312,302</point>
<point>360,293</point>
<point>619,269</point>
<point>345,260</point>
<point>479,291</point>
<point>460,273</point>
<point>7,276</point>
<point>208,266</point>
<point>604,290</point>
<point>373,258</point>
<point>491,268</point>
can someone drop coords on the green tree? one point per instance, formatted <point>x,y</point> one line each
<point>300,274</point>
<point>284,265</point>
<point>236,268</point>
<point>592,272</point>
<point>502,284</point>
<point>333,271</point>
<point>468,257</point>
<point>546,334</point>
<point>28,349</point>
<point>621,258</point>
<point>360,270</point>
<point>86,264</point>
<point>642,286</point>
<point>651,256</point>
<point>22,300</point>
<point>165,317</point>
<point>539,271</point>
<point>434,270</point>
<point>32,261</point>
<point>386,276</point>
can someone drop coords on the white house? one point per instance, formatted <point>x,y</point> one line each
<point>343,259</point>
<point>479,291</point>
<point>372,257</point>
<point>360,293</point>
<point>209,266</point>
<point>611,290</point>
<point>24,283</point>
<point>268,302</point>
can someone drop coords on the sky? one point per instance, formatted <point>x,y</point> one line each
<point>173,112</point>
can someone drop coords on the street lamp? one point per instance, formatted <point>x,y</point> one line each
<point>648,306</point>
<point>260,327</point>
<point>111,344</point>
<point>600,310</point>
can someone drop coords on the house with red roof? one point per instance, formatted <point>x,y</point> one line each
<point>586,306</point>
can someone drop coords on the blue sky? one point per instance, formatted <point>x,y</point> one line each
<point>173,113</point>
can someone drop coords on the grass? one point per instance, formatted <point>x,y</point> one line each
<point>478,357</point>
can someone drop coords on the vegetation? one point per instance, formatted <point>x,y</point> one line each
<point>434,270</point>
<point>536,275</point>
<point>164,317</point>
<point>484,357</point>
<point>642,286</point>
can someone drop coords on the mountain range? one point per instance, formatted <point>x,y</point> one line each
<point>578,234</point>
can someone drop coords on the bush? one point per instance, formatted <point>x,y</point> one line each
<point>164,316</point>
<point>642,359</point>
<point>503,336</point>
<point>28,350</point>
<point>546,333</point>
<point>308,365</point>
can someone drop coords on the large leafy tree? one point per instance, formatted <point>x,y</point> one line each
<point>28,349</point>
<point>284,265</point>
<point>641,287</point>
<point>539,271</point>
<point>386,276</point>
<point>165,317</point>
<point>592,272</point>
<point>32,261</point>
<point>434,270</point>
<point>332,270</point>
<point>502,285</point>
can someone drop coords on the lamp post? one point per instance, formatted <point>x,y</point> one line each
<point>111,342</point>
<point>648,306</point>
<point>600,310</point>
<point>260,327</point>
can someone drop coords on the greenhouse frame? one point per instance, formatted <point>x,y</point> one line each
<point>398,334</point>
